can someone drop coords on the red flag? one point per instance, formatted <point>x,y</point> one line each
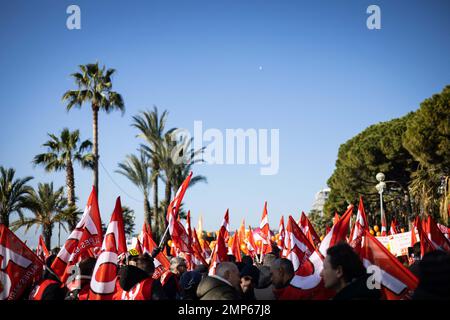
<point>383,224</point>
<point>444,230</point>
<point>83,241</point>
<point>20,267</point>
<point>178,233</point>
<point>308,229</point>
<point>436,237</point>
<point>393,229</point>
<point>336,218</point>
<point>147,244</point>
<point>307,265</point>
<point>235,247</point>
<point>281,234</point>
<point>103,281</point>
<point>219,254</point>
<point>250,242</point>
<point>425,244</point>
<point>198,256</point>
<point>265,231</point>
<point>41,250</point>
<point>359,227</point>
<point>397,281</point>
<point>337,233</point>
<point>225,227</point>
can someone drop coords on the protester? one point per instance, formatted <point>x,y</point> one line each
<point>170,280</point>
<point>135,280</point>
<point>414,258</point>
<point>50,287</point>
<point>224,285</point>
<point>434,277</point>
<point>344,273</point>
<point>249,280</point>
<point>264,288</point>
<point>281,272</point>
<point>189,282</point>
<point>79,283</point>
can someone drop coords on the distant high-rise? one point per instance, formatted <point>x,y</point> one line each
<point>320,199</point>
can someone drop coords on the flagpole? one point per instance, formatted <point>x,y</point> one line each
<point>164,236</point>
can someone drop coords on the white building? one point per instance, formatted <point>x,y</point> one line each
<point>320,199</point>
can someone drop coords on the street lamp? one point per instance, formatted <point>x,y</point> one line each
<point>380,188</point>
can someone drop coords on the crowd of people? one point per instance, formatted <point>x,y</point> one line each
<point>343,272</point>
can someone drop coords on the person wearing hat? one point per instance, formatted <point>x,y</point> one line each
<point>189,282</point>
<point>249,281</point>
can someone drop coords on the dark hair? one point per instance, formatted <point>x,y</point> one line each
<point>285,264</point>
<point>145,262</point>
<point>416,249</point>
<point>269,259</point>
<point>247,260</point>
<point>231,258</point>
<point>87,266</point>
<point>434,273</point>
<point>343,255</point>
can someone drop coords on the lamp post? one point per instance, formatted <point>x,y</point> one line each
<point>380,188</point>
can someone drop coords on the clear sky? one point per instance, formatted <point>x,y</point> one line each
<point>324,78</point>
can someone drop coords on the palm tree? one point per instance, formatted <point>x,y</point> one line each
<point>152,126</point>
<point>94,86</point>
<point>137,170</point>
<point>176,158</point>
<point>12,194</point>
<point>47,205</point>
<point>62,153</point>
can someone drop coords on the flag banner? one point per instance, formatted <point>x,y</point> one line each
<point>103,281</point>
<point>397,244</point>
<point>84,240</point>
<point>20,267</point>
<point>41,250</point>
<point>397,281</point>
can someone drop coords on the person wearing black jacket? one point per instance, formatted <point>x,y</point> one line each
<point>49,287</point>
<point>344,273</point>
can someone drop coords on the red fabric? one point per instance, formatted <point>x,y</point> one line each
<point>308,229</point>
<point>147,244</point>
<point>219,254</point>
<point>103,281</point>
<point>41,250</point>
<point>178,233</point>
<point>436,236</point>
<point>84,240</point>
<point>235,247</point>
<point>281,234</point>
<point>39,289</point>
<point>265,231</point>
<point>359,227</point>
<point>140,291</point>
<point>19,266</point>
<point>397,281</point>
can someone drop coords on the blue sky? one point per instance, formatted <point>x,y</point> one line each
<point>324,78</point>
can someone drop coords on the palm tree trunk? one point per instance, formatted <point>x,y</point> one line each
<point>168,195</point>
<point>70,183</point>
<point>147,213</point>
<point>4,219</point>
<point>155,206</point>
<point>95,146</point>
<point>47,235</point>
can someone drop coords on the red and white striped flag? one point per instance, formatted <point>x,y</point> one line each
<point>308,229</point>
<point>265,231</point>
<point>103,281</point>
<point>84,241</point>
<point>435,235</point>
<point>219,253</point>
<point>20,267</point>
<point>359,227</point>
<point>393,229</point>
<point>281,234</point>
<point>41,250</point>
<point>396,280</point>
<point>178,233</point>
